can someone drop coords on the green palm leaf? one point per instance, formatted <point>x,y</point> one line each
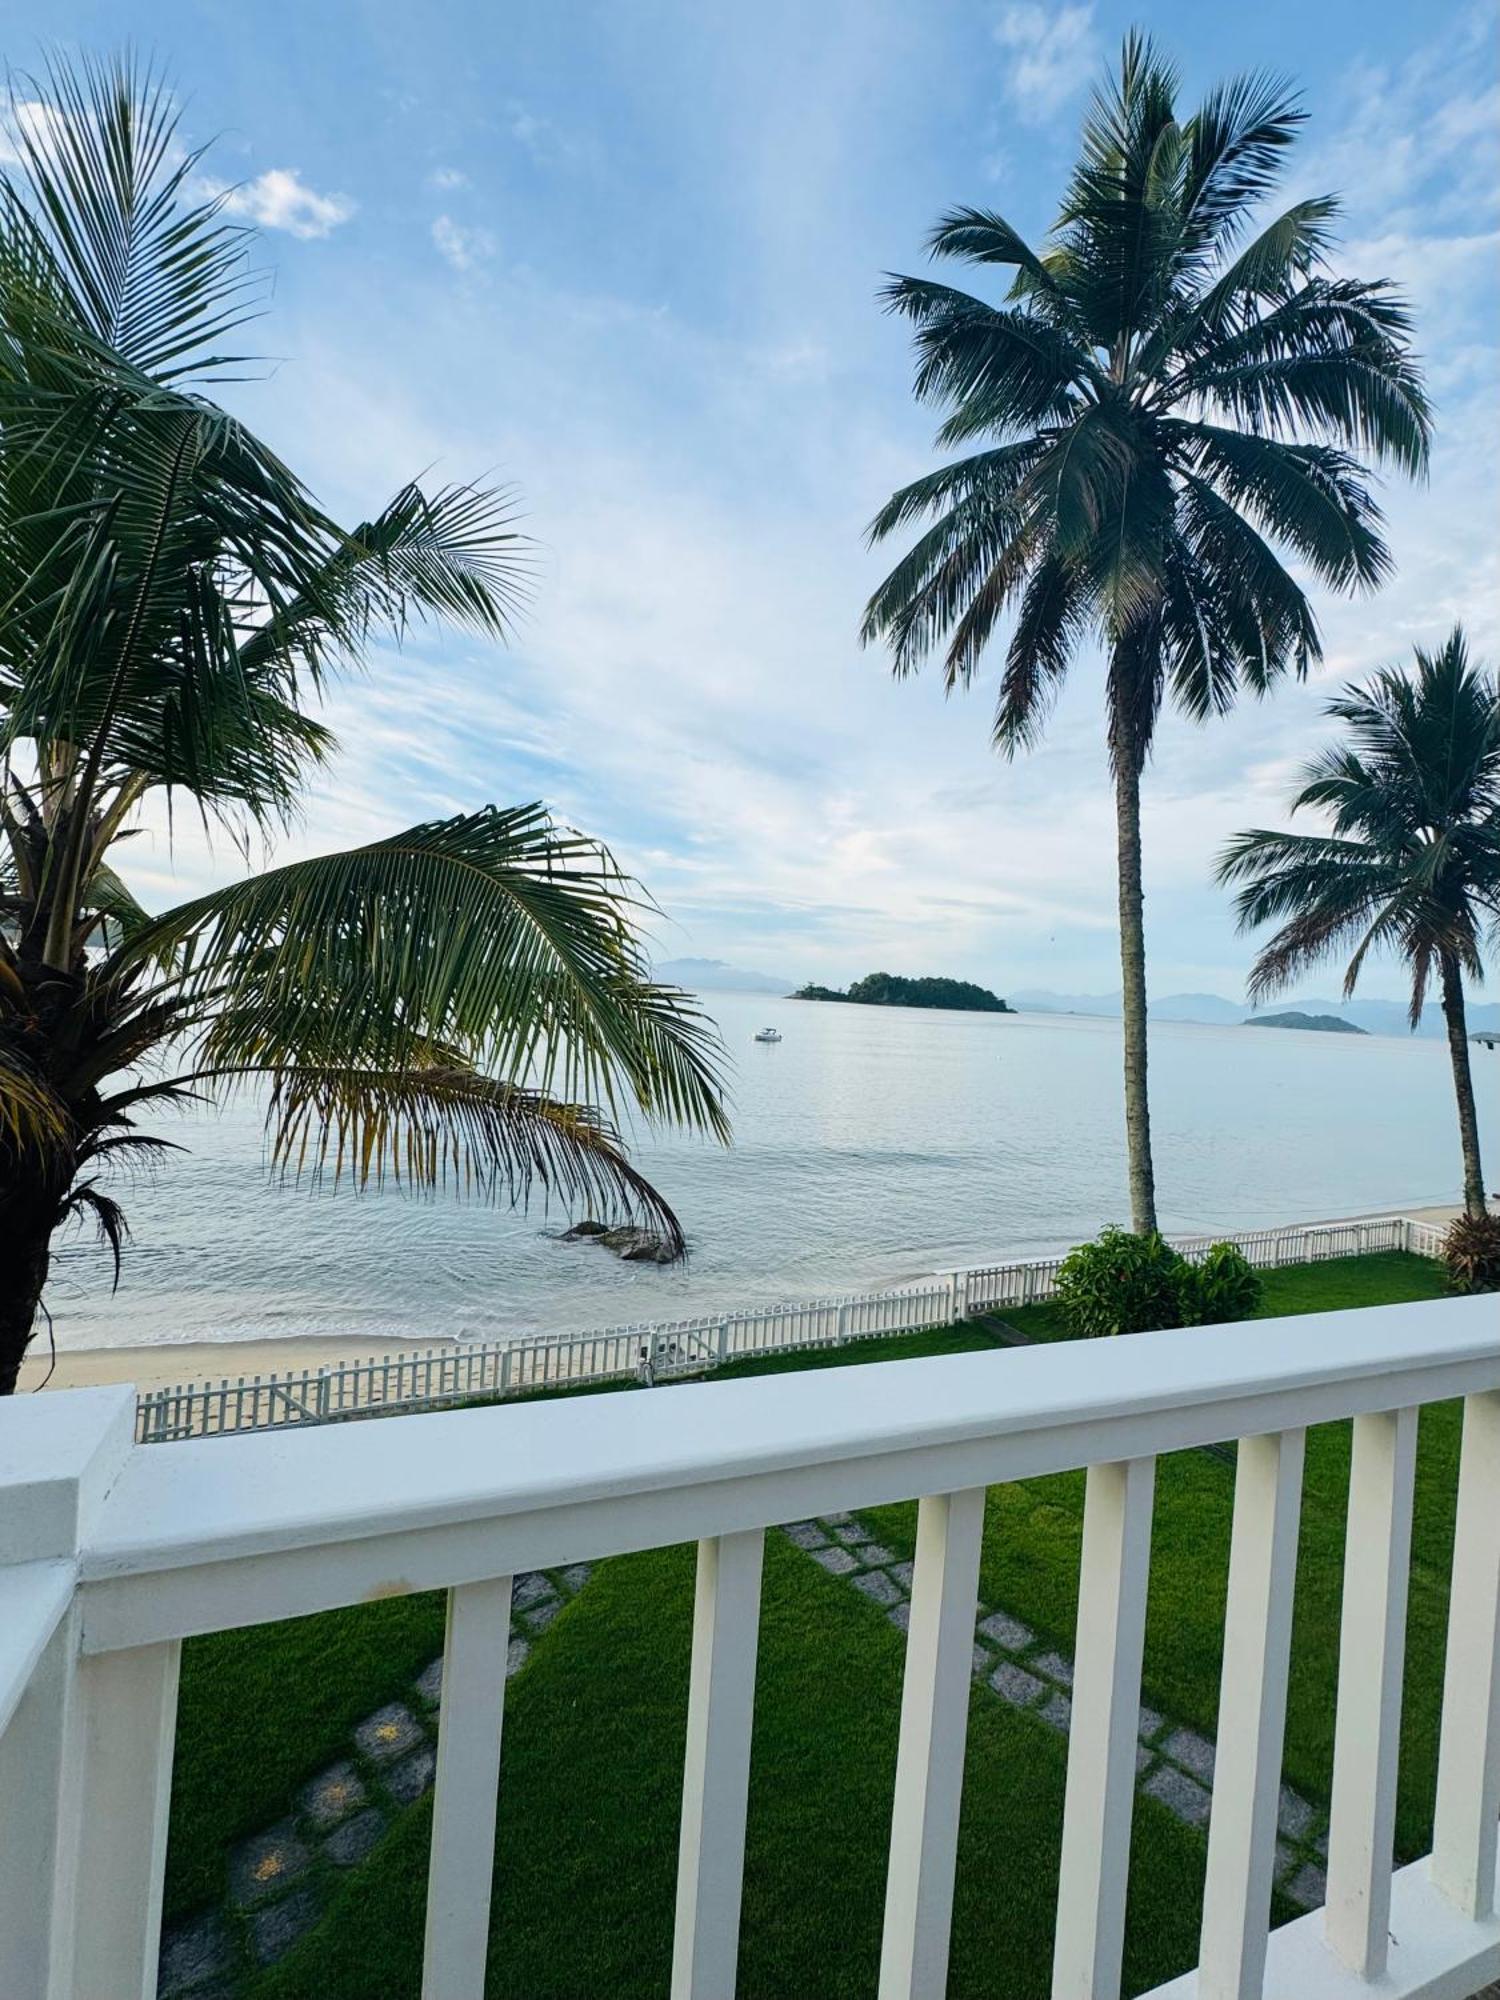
<point>448,1127</point>
<point>492,933</point>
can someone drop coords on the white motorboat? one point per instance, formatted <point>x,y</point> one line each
<point>768,1035</point>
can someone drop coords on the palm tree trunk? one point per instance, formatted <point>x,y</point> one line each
<point>1463,1083</point>
<point>1128,762</point>
<point>28,1214</point>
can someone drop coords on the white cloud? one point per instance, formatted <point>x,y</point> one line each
<point>39,123</point>
<point>280,199</point>
<point>444,178</point>
<point>463,244</point>
<point>1055,51</point>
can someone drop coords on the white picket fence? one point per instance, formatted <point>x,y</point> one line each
<point>659,1350</point>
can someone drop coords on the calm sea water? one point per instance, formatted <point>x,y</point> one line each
<point>872,1145</point>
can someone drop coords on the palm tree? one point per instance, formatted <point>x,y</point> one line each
<point>1412,864</point>
<point>464,1002</point>
<point>1169,401</point>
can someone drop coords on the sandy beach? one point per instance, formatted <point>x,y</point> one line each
<point>214,1360</point>
<point>199,1360</point>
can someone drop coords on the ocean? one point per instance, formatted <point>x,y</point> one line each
<point>872,1146</point>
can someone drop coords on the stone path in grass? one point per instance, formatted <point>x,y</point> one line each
<point>1174,1764</point>
<point>280,1880</point>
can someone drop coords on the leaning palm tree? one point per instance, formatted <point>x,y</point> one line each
<point>1412,862</point>
<point>466,1001</point>
<point>1170,401</point>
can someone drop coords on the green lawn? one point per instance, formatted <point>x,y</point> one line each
<point>593,1743</point>
<point>591,1786</point>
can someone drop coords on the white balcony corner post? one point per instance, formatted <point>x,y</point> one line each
<point>716,1770</point>
<point>1372,1649</point>
<point>1252,1716</point>
<point>1115,1567</point>
<point>930,1749</point>
<point>1468,1783</point>
<point>120,1728</point>
<point>462,1860</point>
<point>61,1454</point>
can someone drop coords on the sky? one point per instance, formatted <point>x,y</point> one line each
<point>625,257</point>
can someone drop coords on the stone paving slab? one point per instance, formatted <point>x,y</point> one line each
<point>263,1865</point>
<point>388,1734</point>
<point>1015,1685</point>
<point>408,1780</point>
<point>1194,1752</point>
<point>1057,1711</point>
<point>332,1796</point>
<point>273,1931</point>
<point>806,1535</point>
<point>1179,1793</point>
<point>196,1952</point>
<point>877,1585</point>
<point>1174,1764</point>
<point>351,1842</point>
<point>1006,1631</point>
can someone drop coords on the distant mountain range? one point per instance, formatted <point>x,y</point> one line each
<point>712,975</point>
<point>1376,1017</point>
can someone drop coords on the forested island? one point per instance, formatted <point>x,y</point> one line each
<point>1321,1024</point>
<point>889,989</point>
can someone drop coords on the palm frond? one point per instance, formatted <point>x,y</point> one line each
<point>493,933</point>
<point>1311,497</point>
<point>1052,614</point>
<point>101,192</point>
<point>454,555</point>
<point>449,1127</point>
<point>34,1121</point>
<point>1238,141</point>
<point>1000,368</point>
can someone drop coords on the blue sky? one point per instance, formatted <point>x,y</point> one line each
<point>624,255</point>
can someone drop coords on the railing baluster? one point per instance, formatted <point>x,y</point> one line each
<point>462,1862</point>
<point>1252,1716</point>
<point>930,1752</point>
<point>1105,1725</point>
<point>1372,1649</point>
<point>1468,1786</point>
<point>716,1769</point>
<point>117,1766</point>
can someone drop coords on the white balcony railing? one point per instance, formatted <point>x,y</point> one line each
<point>112,1553</point>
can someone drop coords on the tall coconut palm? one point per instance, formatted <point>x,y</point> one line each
<point>465,1001</point>
<point>1412,862</point>
<point>1173,396</point>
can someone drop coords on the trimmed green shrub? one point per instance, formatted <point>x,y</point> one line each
<point>1120,1283</point>
<point>1222,1286</point>
<point>1471,1254</point>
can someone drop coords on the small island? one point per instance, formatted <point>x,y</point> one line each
<point>889,989</point>
<point>1320,1024</point>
